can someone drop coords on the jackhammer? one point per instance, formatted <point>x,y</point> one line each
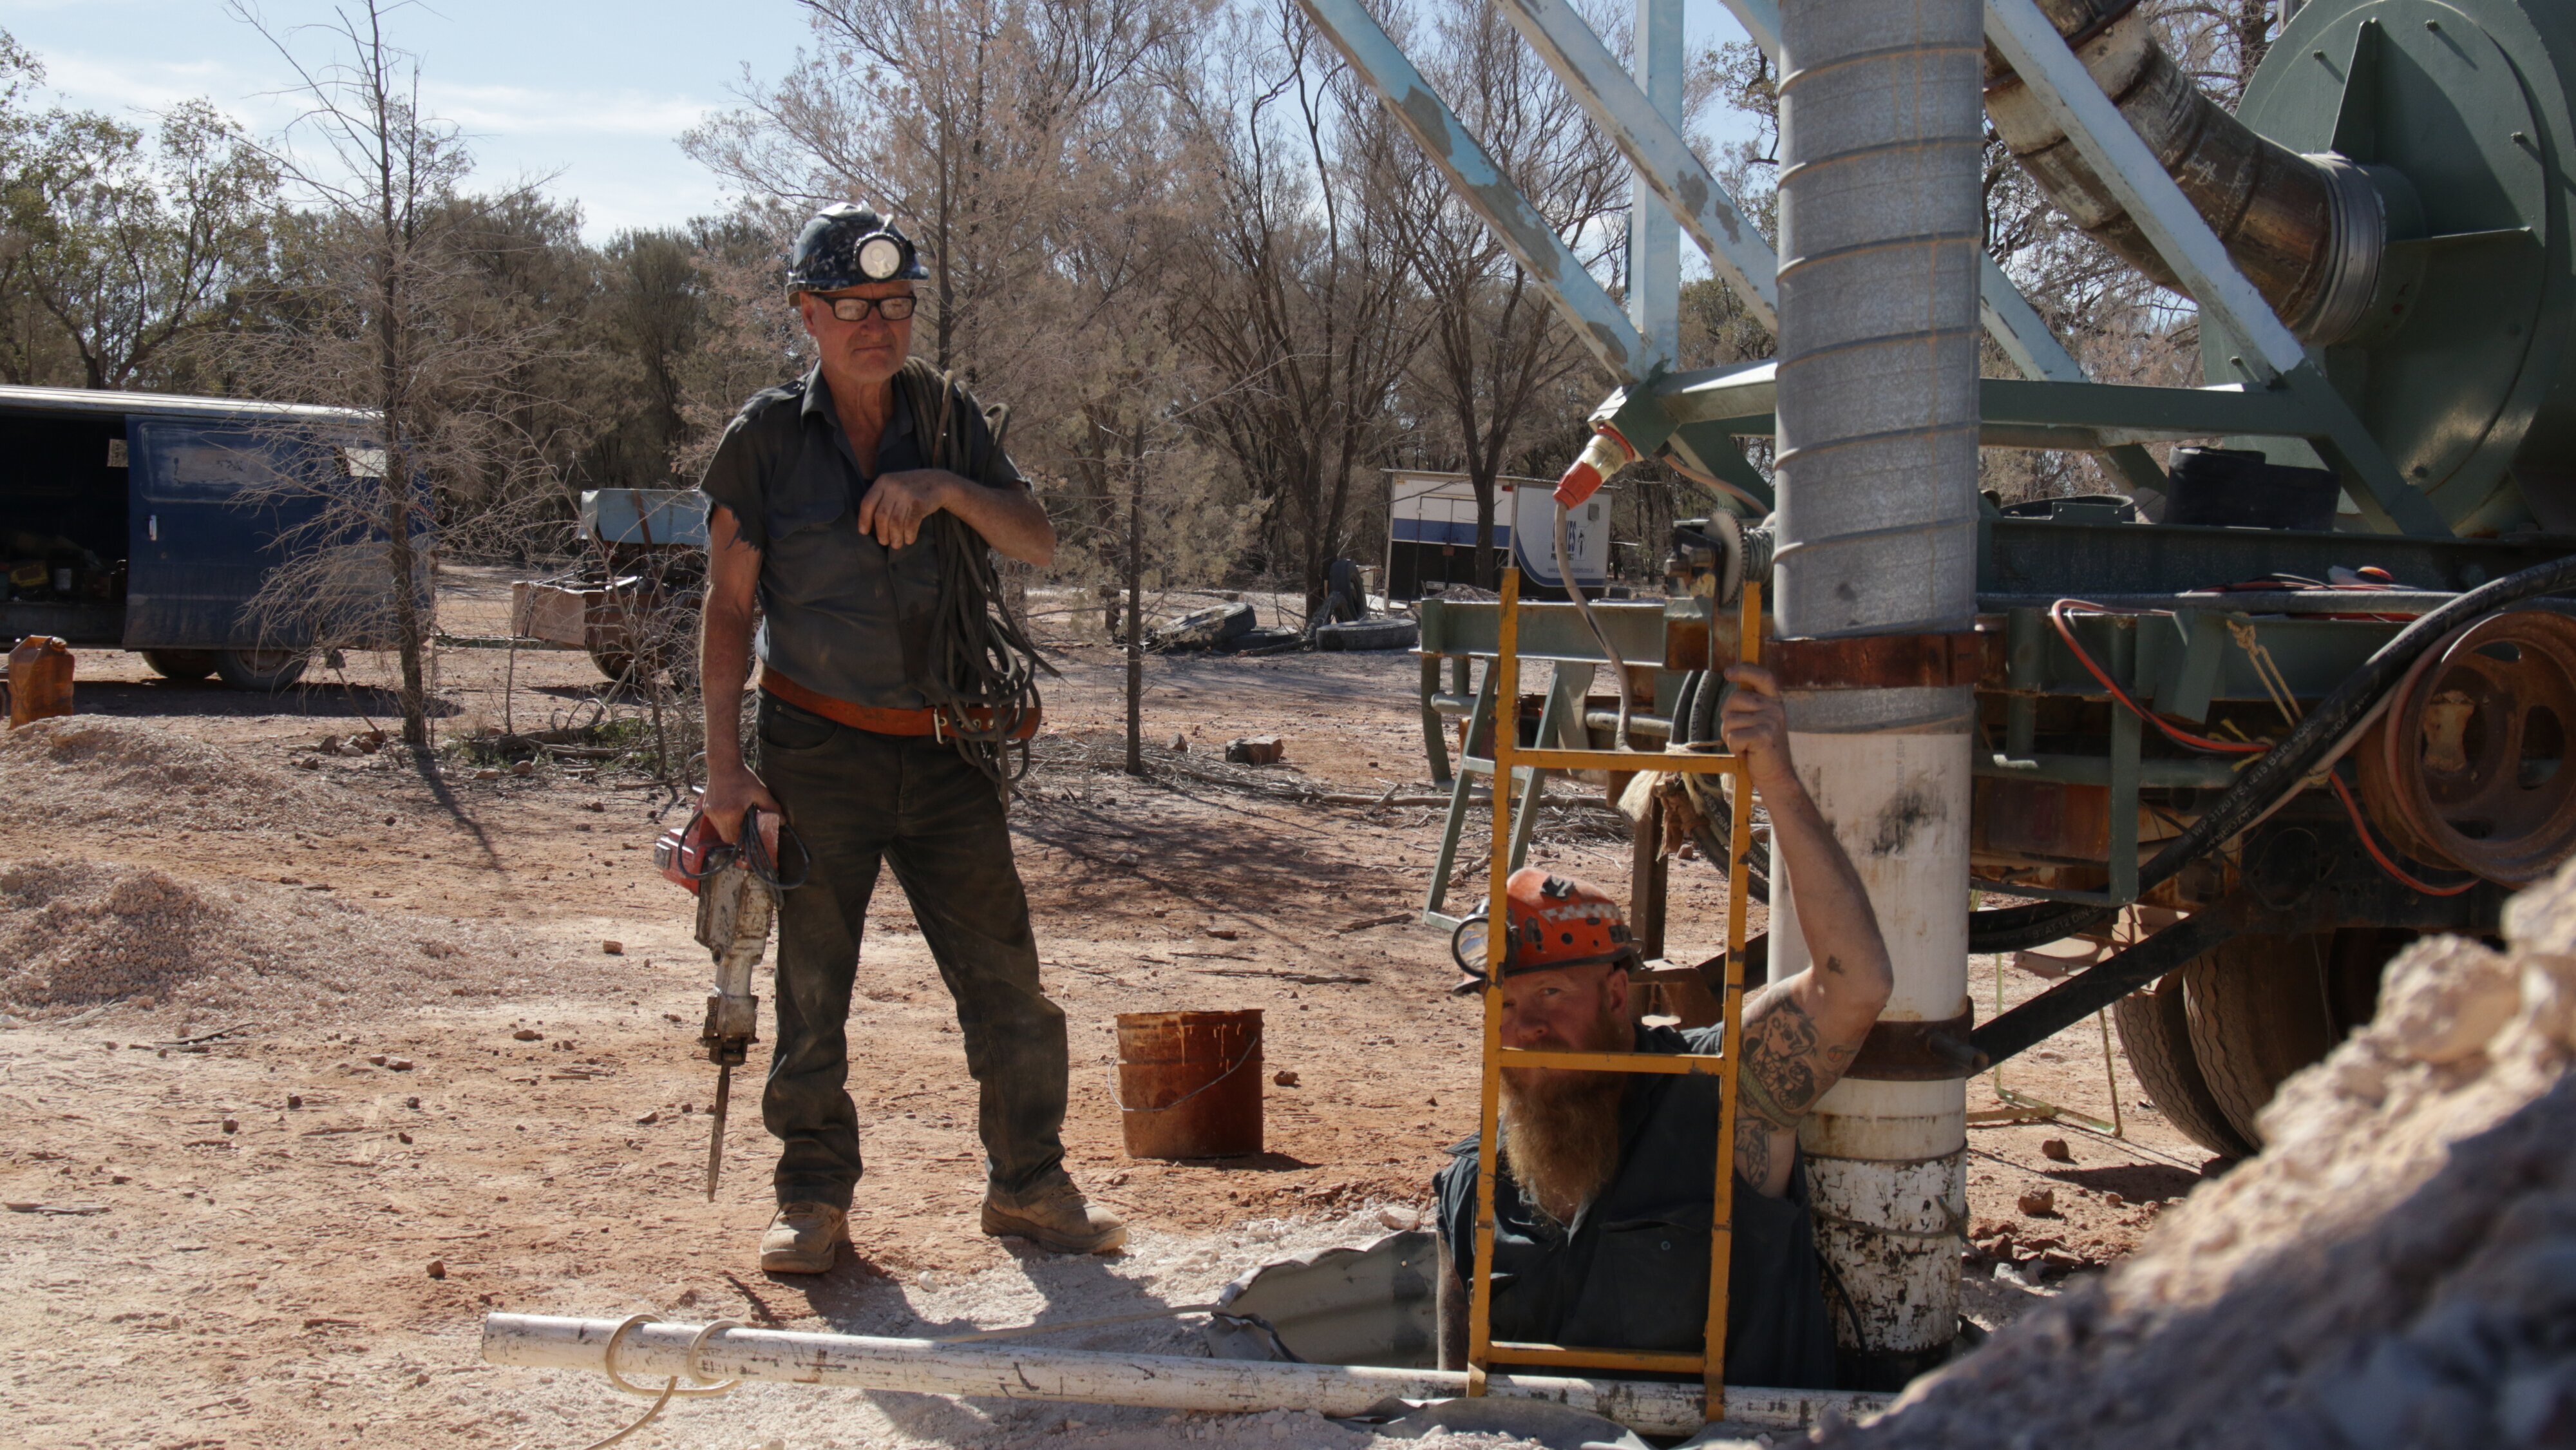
<point>738,888</point>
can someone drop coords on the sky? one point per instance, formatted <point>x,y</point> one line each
<point>591,94</point>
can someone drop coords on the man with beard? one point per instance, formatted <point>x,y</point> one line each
<point>1604,1194</point>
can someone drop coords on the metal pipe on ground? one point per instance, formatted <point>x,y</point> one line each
<point>1881,127</point>
<point>654,1351</point>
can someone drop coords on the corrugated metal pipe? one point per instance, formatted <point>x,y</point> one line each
<point>1881,134</point>
<point>2308,231</point>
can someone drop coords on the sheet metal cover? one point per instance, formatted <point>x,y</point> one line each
<point>1368,1306</point>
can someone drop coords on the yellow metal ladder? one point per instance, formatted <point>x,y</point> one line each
<point>1484,1352</point>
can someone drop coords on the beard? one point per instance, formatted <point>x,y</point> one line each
<point>1560,1130</point>
<point>1561,1139</point>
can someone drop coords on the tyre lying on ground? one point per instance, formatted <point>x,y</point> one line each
<point>1368,634</point>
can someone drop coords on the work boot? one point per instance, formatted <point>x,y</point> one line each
<point>1056,1216</point>
<point>803,1239</point>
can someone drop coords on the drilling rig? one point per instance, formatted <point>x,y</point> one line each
<point>2252,717</point>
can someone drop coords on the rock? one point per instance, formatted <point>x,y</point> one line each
<point>294,1100</point>
<point>232,1125</point>
<point>2056,1149</point>
<point>1225,933</point>
<point>402,1137</point>
<point>398,1064</point>
<point>613,948</point>
<point>2447,997</point>
<point>412,1103</point>
<point>2113,1200</point>
<point>2039,1202</point>
<point>1255,750</point>
<point>524,768</point>
<point>1284,1078</point>
<point>528,1034</point>
<point>308,762</point>
<point>1180,743</point>
<point>487,774</point>
<point>650,1118</point>
<point>438,1268</point>
<point>377,1058</point>
<point>1400,1220</point>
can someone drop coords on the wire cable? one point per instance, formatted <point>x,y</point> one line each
<point>2274,777</point>
<point>981,663</point>
<point>1600,636</point>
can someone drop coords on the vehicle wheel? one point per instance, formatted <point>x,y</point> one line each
<point>180,664</point>
<point>260,669</point>
<point>613,664</point>
<point>2155,1036</point>
<point>2261,1008</point>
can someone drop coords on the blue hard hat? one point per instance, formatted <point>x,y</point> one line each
<point>847,246</point>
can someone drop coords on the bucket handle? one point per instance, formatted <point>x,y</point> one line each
<point>1118,1094</point>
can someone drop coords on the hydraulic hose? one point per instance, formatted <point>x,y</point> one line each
<point>1695,720</point>
<point>2268,783</point>
<point>1600,636</point>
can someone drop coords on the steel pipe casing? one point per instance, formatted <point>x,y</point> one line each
<point>1880,222</point>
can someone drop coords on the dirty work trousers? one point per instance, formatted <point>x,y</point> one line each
<point>858,799</point>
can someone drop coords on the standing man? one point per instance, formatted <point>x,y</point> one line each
<point>824,500</point>
<point>1606,1186</point>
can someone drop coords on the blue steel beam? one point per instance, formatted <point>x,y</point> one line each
<point>1654,146</point>
<point>1483,187</point>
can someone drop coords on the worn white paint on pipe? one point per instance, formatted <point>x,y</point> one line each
<point>651,1352</point>
<point>1884,1159</point>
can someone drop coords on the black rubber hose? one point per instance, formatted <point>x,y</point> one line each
<point>1695,719</point>
<point>2278,773</point>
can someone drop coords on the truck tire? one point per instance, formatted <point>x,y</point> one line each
<point>2155,1036</point>
<point>260,669</point>
<point>2261,1008</point>
<point>180,664</point>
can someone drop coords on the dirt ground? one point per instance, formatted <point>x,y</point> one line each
<point>286,1235</point>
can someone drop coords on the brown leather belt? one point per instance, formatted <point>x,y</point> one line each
<point>877,720</point>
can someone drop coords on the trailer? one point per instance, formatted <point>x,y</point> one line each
<point>1431,534</point>
<point>631,598</point>
<point>151,521</point>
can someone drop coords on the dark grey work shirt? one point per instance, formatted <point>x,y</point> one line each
<point>1631,1271</point>
<point>841,613</point>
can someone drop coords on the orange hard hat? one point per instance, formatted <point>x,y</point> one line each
<point>1555,922</point>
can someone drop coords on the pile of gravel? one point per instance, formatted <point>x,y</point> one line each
<point>78,937</point>
<point>2397,1269</point>
<point>92,769</point>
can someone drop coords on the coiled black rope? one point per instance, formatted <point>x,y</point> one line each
<point>981,669</point>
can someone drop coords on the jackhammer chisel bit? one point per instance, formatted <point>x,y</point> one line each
<point>735,908</point>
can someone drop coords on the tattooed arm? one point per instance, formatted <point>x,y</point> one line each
<point>1800,1034</point>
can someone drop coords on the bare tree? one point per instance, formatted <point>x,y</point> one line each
<point>375,313</point>
<point>1494,346</point>
<point>1302,284</point>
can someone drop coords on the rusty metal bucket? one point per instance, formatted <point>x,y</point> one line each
<point>1189,1083</point>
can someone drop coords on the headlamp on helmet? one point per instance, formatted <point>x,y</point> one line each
<point>850,246</point>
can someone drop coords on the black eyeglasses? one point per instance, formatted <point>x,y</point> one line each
<point>855,309</point>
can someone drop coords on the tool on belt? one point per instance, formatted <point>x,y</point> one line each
<point>738,887</point>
